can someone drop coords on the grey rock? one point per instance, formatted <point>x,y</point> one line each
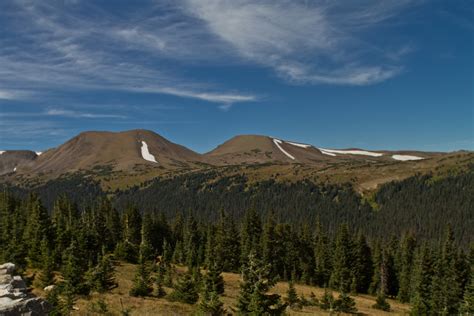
<point>15,300</point>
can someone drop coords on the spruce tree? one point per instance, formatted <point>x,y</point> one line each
<point>362,269</point>
<point>73,270</point>
<point>422,283</point>
<point>37,228</point>
<point>253,298</point>
<point>341,276</point>
<point>291,296</point>
<point>445,287</point>
<point>327,301</point>
<point>214,280</point>
<point>46,276</point>
<point>381,303</point>
<point>185,289</point>
<point>250,234</point>
<point>101,278</point>
<point>142,283</point>
<point>406,269</point>
<point>345,304</point>
<point>323,258</point>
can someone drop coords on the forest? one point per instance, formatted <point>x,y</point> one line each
<point>84,243</point>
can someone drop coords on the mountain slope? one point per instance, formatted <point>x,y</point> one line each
<point>121,150</point>
<point>13,160</point>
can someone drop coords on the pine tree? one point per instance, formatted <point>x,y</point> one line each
<point>345,304</point>
<point>132,226</point>
<point>381,303</point>
<point>37,228</point>
<point>407,255</point>
<point>46,276</point>
<point>68,295</point>
<point>269,244</point>
<point>250,234</point>
<point>327,301</point>
<point>467,307</point>
<point>362,267</point>
<point>323,258</point>
<point>422,283</point>
<point>341,276</point>
<point>253,298</point>
<point>291,296</point>
<point>142,281</point>
<point>101,277</point>
<point>185,290</point>
<point>211,305</point>
<point>446,291</point>
<point>214,280</point>
<point>73,269</point>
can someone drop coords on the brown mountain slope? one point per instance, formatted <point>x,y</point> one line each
<point>13,160</point>
<point>252,149</point>
<point>121,150</point>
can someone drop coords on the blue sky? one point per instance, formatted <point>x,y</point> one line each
<point>370,74</point>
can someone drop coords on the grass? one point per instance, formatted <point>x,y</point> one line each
<point>118,299</point>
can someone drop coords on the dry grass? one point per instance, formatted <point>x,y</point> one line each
<point>118,299</point>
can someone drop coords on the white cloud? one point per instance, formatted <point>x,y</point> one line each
<point>305,42</point>
<point>56,49</point>
<point>75,114</point>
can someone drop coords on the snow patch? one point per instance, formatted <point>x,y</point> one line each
<point>1,152</point>
<point>277,143</point>
<point>146,154</point>
<point>351,152</point>
<point>298,145</point>
<point>14,169</point>
<point>326,152</point>
<point>406,157</point>
<point>39,153</point>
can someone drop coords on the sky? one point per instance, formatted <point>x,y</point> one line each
<point>392,74</point>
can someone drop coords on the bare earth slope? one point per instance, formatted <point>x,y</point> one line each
<point>122,151</point>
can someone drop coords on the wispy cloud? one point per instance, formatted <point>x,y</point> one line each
<point>76,114</point>
<point>305,42</point>
<point>55,49</point>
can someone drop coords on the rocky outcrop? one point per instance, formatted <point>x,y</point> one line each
<point>15,300</point>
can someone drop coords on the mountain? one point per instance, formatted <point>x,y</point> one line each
<point>252,149</point>
<point>119,150</point>
<point>13,160</point>
<point>123,159</point>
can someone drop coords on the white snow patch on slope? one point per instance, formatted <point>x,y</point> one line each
<point>146,154</point>
<point>1,152</point>
<point>39,153</point>
<point>14,169</point>
<point>406,157</point>
<point>351,152</point>
<point>326,152</point>
<point>299,145</point>
<point>277,143</point>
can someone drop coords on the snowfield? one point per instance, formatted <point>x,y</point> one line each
<point>1,152</point>
<point>406,157</point>
<point>39,153</point>
<point>326,152</point>
<point>350,152</point>
<point>277,143</point>
<point>146,154</point>
<point>299,145</point>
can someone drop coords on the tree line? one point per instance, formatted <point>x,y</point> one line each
<point>83,242</point>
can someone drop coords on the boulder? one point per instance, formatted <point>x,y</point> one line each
<point>15,300</point>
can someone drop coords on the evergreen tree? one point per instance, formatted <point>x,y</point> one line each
<point>323,258</point>
<point>214,280</point>
<point>345,304</point>
<point>291,296</point>
<point>327,301</point>
<point>142,281</point>
<point>46,276</point>
<point>422,283</point>
<point>446,291</point>
<point>68,295</point>
<point>185,290</point>
<point>381,303</point>
<point>253,298</point>
<point>407,256</point>
<point>362,266</point>
<point>37,228</point>
<point>101,277</point>
<point>341,276</point>
<point>73,270</point>
<point>250,234</point>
